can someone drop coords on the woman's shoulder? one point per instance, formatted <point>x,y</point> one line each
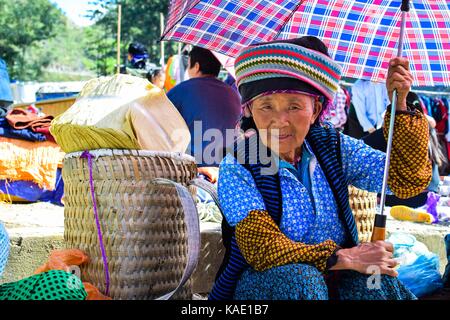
<point>230,168</point>
<point>230,163</point>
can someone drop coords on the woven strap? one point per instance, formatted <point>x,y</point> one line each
<point>208,187</point>
<point>193,229</point>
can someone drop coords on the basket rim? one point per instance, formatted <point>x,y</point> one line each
<point>130,152</point>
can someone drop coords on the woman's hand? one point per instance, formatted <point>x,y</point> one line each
<point>210,172</point>
<point>399,77</point>
<point>365,256</point>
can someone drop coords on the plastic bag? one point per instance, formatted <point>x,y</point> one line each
<point>431,205</point>
<point>63,260</point>
<point>446,277</point>
<point>419,268</point>
<point>93,293</point>
<point>422,277</point>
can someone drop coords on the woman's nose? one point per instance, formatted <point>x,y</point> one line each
<point>281,118</point>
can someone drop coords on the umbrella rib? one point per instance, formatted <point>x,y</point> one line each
<point>373,36</point>
<point>288,18</point>
<point>173,25</point>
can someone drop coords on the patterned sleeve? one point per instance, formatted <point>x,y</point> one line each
<point>264,246</point>
<point>410,168</point>
<point>237,191</point>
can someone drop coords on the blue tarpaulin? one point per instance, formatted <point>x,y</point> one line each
<point>5,88</point>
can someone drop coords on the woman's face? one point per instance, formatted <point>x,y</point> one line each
<point>286,117</point>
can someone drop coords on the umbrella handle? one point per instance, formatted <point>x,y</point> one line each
<point>379,229</point>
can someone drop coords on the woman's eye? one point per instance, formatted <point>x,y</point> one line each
<point>295,107</point>
<point>266,107</point>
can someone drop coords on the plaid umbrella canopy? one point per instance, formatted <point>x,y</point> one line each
<point>362,35</point>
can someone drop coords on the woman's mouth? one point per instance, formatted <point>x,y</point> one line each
<point>283,137</point>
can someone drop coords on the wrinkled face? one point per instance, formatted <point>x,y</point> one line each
<point>286,117</point>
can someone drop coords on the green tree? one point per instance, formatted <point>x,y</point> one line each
<point>65,55</point>
<point>23,24</point>
<point>100,49</point>
<point>140,22</point>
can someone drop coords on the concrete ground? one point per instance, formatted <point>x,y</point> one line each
<point>34,230</point>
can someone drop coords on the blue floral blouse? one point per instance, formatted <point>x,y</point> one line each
<point>304,219</point>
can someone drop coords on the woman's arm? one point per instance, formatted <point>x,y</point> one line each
<point>410,167</point>
<point>264,246</point>
<point>260,240</point>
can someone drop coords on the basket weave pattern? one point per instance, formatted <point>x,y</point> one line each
<point>143,227</point>
<point>364,206</point>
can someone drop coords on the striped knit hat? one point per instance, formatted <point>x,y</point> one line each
<point>286,65</point>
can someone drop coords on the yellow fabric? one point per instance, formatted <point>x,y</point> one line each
<point>30,161</point>
<point>264,246</point>
<point>121,112</point>
<point>410,167</point>
<point>9,198</point>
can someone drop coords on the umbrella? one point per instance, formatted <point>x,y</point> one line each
<point>362,35</point>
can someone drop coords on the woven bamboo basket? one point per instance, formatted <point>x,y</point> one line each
<point>144,232</point>
<point>364,206</point>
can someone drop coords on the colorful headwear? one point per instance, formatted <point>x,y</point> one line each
<point>285,65</point>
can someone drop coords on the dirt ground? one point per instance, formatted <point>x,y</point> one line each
<point>39,214</point>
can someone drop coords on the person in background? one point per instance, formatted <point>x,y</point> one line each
<point>338,113</point>
<point>136,60</point>
<point>205,102</point>
<point>368,103</point>
<point>229,80</point>
<point>157,77</point>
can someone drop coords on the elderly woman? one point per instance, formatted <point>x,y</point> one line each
<point>289,233</point>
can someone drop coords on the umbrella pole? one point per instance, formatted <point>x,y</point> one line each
<point>379,230</point>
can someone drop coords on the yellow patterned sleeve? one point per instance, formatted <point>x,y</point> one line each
<point>264,246</point>
<point>410,167</point>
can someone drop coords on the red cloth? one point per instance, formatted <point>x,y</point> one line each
<point>22,119</point>
<point>441,126</point>
<point>46,132</point>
